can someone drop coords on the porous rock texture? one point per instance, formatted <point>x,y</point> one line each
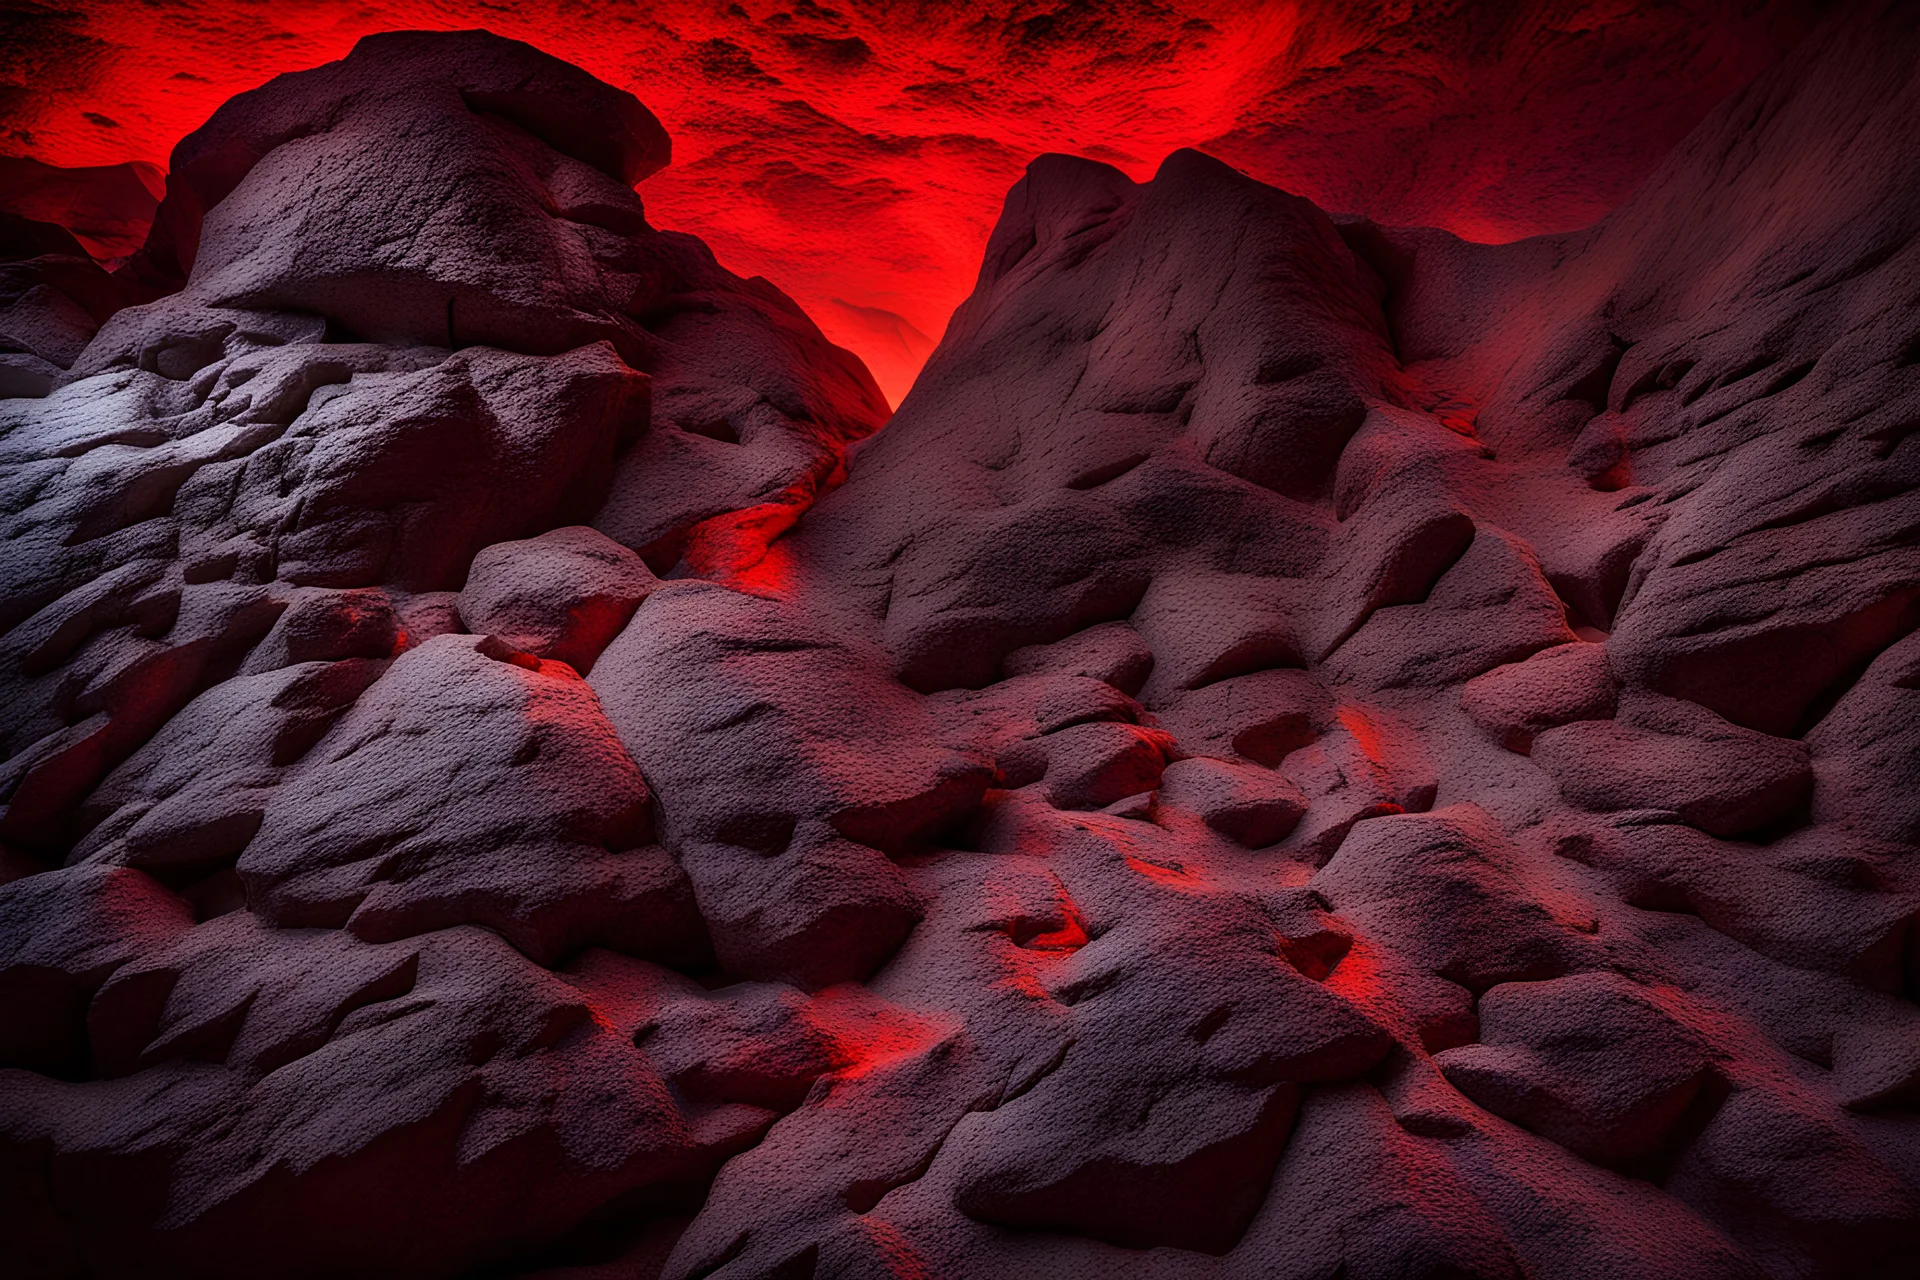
<point>1303,750</point>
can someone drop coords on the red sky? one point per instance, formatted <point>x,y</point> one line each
<point>856,152</point>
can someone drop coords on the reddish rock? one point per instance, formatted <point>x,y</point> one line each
<point>1556,686</point>
<point>563,595</point>
<point>1303,748</point>
<point>1449,892</point>
<point>1590,1061</point>
<point>1246,804</point>
<point>1089,766</point>
<point>1112,652</point>
<point>1679,758</point>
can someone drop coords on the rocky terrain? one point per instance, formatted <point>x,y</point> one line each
<point>856,151</point>
<point>1304,749</point>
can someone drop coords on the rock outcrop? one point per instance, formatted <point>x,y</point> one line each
<point>1303,749</point>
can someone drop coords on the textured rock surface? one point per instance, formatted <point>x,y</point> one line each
<point>856,153</point>
<point>1304,749</point>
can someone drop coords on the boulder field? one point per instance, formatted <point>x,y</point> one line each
<point>1303,749</point>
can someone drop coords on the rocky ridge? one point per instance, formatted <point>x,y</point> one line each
<point>1303,749</point>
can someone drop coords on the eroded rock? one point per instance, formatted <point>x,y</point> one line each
<point>1303,749</point>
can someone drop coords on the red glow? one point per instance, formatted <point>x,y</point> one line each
<point>741,550</point>
<point>1365,733</point>
<point>868,1033</point>
<point>1176,877</point>
<point>856,153</point>
<point>1359,977</point>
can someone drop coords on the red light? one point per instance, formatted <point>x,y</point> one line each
<point>857,156</point>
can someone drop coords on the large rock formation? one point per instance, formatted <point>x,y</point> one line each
<point>857,152</point>
<point>1304,749</point>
